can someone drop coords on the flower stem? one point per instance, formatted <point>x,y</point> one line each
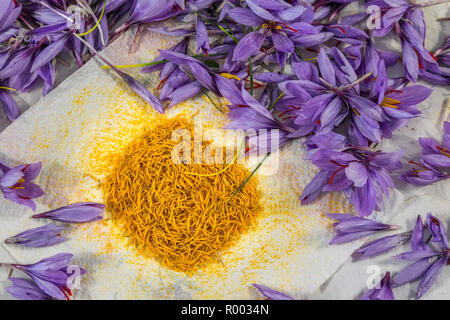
<point>215,105</point>
<point>251,175</point>
<point>250,68</point>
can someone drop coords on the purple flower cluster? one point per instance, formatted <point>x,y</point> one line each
<point>428,259</point>
<point>34,33</point>
<point>254,54</point>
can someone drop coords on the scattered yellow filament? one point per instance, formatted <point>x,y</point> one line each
<point>6,88</point>
<point>390,103</point>
<point>183,221</point>
<point>229,76</point>
<point>97,24</point>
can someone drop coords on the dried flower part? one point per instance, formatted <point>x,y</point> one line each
<point>184,215</point>
<point>350,227</point>
<point>45,236</point>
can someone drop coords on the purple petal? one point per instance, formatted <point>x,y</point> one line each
<point>245,16</point>
<point>411,273</point>
<point>75,213</point>
<point>271,294</point>
<point>282,43</point>
<point>430,276</point>
<point>26,290</point>
<point>364,199</point>
<point>248,46</point>
<point>10,106</point>
<point>326,68</point>
<point>357,172</point>
<point>185,92</point>
<point>51,51</point>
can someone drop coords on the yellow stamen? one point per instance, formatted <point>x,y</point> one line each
<point>388,105</point>
<point>356,111</point>
<point>96,25</point>
<point>17,185</point>
<point>265,25</point>
<point>229,76</point>
<point>278,27</point>
<point>6,88</point>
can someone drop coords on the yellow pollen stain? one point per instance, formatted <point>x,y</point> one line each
<point>356,111</point>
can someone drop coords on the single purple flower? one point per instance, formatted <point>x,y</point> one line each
<point>271,294</point>
<point>45,236</point>
<point>26,290</point>
<point>335,97</point>
<point>50,275</point>
<point>350,227</point>
<point>365,176</point>
<point>16,184</point>
<point>75,213</point>
<point>383,291</point>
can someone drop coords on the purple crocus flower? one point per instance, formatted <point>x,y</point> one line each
<point>429,261</point>
<point>335,97</point>
<point>383,291</point>
<point>350,227</point>
<point>363,175</point>
<point>50,274</point>
<point>271,294</point>
<point>16,183</point>
<point>75,213</point>
<point>435,162</point>
<point>26,290</point>
<point>45,236</point>
<point>285,26</point>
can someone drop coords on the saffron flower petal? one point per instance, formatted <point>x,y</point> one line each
<point>271,294</point>
<point>75,213</point>
<point>45,236</point>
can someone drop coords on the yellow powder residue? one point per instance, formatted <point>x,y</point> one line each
<point>183,220</point>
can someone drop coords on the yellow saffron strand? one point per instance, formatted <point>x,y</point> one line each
<point>229,76</point>
<point>216,173</point>
<point>6,88</point>
<point>97,24</point>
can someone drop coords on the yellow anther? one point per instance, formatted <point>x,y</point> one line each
<point>229,76</point>
<point>278,27</point>
<point>265,25</point>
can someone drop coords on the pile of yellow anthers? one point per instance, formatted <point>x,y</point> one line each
<point>183,215</point>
